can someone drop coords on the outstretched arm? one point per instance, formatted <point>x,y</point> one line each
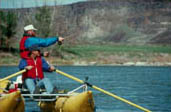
<point>41,42</point>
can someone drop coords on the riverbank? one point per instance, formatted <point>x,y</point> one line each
<point>119,55</point>
<point>111,60</point>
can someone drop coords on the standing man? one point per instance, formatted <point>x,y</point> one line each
<point>29,39</point>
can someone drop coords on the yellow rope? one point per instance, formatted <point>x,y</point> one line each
<point>103,91</point>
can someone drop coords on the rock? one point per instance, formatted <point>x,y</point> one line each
<point>129,64</point>
<point>141,64</point>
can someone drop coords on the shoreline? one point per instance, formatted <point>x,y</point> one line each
<point>100,59</point>
<point>111,64</point>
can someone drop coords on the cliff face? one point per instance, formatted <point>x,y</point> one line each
<point>102,21</point>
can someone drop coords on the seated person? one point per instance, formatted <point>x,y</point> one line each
<point>33,78</point>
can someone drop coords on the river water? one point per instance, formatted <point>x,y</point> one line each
<point>149,87</point>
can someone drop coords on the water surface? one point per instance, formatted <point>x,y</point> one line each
<point>149,87</point>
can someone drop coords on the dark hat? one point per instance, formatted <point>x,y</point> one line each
<point>34,48</point>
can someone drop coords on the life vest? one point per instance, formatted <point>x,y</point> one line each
<point>23,51</point>
<point>36,71</point>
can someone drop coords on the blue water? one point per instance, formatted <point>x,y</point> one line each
<point>149,87</point>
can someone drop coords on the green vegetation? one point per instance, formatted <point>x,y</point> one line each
<point>7,25</point>
<point>43,21</point>
<point>85,50</point>
<point>114,54</point>
<point>100,54</point>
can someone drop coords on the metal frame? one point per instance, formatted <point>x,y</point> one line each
<point>53,97</point>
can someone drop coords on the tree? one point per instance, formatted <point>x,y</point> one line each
<point>2,18</point>
<point>7,27</point>
<point>43,21</point>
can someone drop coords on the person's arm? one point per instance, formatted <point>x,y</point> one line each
<point>22,64</point>
<point>40,42</point>
<point>45,65</point>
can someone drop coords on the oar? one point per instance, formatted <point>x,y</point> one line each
<point>13,75</point>
<point>103,91</point>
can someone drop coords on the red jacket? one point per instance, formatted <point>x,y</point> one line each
<point>36,71</point>
<point>23,51</point>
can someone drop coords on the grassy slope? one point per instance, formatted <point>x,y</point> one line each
<point>103,54</point>
<point>84,49</point>
<point>117,54</point>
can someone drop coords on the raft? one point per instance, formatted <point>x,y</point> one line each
<point>3,85</point>
<point>77,102</point>
<point>12,102</point>
<point>71,101</point>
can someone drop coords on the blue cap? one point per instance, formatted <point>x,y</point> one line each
<point>34,48</point>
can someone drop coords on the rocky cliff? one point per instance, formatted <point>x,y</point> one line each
<point>125,22</point>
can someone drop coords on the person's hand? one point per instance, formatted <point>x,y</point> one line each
<point>28,67</point>
<point>52,68</point>
<point>46,54</point>
<point>60,40</point>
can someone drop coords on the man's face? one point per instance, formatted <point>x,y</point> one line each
<point>36,53</point>
<point>32,33</point>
